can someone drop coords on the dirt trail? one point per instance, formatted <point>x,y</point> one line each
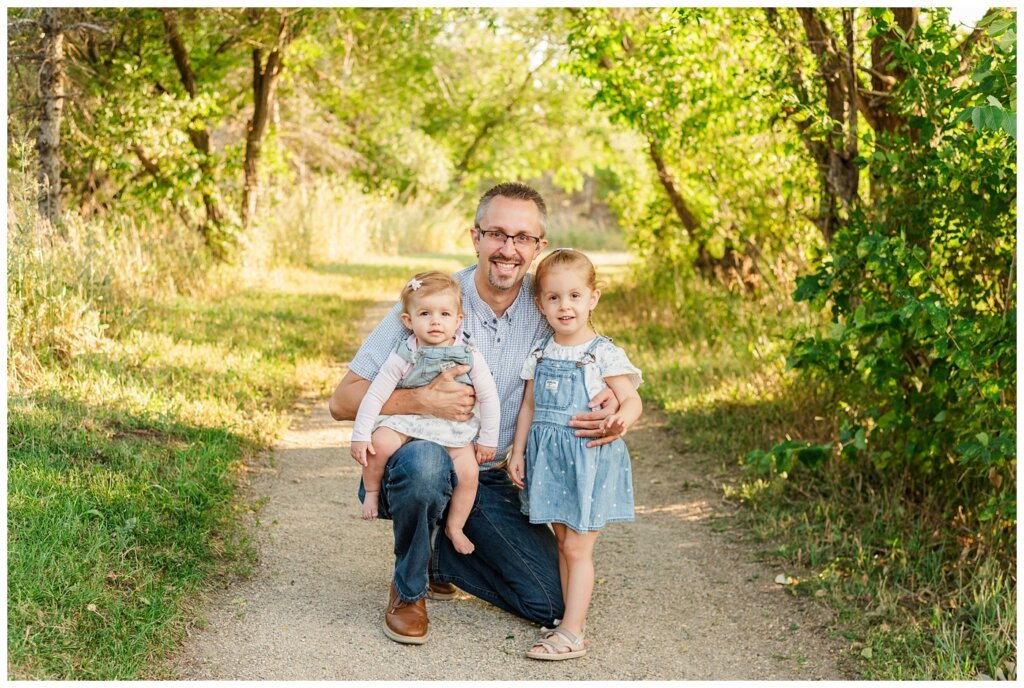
<point>675,598</point>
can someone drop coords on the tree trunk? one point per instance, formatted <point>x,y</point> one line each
<point>885,78</point>
<point>841,173</point>
<point>686,216</point>
<point>51,87</point>
<point>264,84</point>
<point>198,135</point>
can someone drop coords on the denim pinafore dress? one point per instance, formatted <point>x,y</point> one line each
<point>427,363</point>
<point>567,482</point>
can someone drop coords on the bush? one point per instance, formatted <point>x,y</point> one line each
<point>921,287</point>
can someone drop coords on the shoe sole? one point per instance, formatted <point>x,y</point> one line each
<point>556,657</point>
<point>431,595</point>
<point>406,639</point>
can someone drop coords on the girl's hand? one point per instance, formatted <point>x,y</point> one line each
<point>517,470</point>
<point>359,451</point>
<point>485,454</point>
<point>615,425</point>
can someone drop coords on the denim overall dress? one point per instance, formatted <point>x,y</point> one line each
<point>567,482</point>
<point>427,363</point>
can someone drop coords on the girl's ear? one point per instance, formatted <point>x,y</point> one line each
<point>458,321</point>
<point>406,320</point>
<point>595,296</point>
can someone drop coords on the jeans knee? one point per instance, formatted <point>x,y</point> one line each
<point>421,470</point>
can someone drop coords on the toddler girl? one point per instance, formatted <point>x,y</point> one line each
<point>432,309</point>
<point>574,488</point>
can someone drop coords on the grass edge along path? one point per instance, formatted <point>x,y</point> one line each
<point>124,464</point>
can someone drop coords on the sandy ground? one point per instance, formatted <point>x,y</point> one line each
<point>676,597</point>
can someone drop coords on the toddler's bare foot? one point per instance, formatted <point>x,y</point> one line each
<point>370,506</point>
<point>463,545</point>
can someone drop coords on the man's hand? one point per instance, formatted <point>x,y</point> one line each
<point>359,451</point>
<point>517,470</point>
<point>592,424</point>
<point>485,454</point>
<point>448,399</point>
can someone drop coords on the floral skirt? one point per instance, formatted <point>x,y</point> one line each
<point>447,433</point>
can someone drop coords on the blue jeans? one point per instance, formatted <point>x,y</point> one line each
<point>515,563</point>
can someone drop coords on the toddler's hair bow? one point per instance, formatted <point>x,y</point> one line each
<point>414,284</point>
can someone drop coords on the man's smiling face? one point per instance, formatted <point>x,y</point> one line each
<point>505,263</point>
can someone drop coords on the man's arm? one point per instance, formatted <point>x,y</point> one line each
<point>443,397</point>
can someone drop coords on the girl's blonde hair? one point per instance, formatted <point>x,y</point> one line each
<point>427,283</point>
<point>566,257</point>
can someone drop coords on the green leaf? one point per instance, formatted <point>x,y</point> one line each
<point>1009,123</point>
<point>983,438</point>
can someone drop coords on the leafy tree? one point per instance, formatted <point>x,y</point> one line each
<point>920,283</point>
<point>734,184</point>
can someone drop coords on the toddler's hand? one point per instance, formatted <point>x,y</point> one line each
<point>615,425</point>
<point>485,454</point>
<point>359,451</point>
<point>517,470</point>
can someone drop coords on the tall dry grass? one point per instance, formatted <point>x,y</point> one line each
<point>333,221</point>
<point>67,286</point>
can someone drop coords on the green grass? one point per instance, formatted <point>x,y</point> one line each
<point>123,462</point>
<point>914,596</point>
<point>715,361</point>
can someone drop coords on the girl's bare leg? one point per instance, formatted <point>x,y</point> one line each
<point>385,442</point>
<point>578,550</point>
<point>576,566</point>
<point>463,497</point>
<point>563,566</point>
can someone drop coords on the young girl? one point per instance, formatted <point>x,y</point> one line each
<point>576,489</point>
<point>432,309</point>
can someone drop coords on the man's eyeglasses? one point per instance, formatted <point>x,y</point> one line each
<point>521,240</point>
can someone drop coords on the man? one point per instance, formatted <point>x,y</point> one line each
<point>515,564</point>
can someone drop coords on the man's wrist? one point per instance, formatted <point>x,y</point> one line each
<point>405,402</point>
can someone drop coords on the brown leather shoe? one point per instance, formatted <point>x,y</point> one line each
<point>406,622</point>
<point>440,591</point>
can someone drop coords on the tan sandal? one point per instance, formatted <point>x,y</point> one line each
<point>558,644</point>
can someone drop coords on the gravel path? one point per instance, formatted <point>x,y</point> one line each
<point>675,598</point>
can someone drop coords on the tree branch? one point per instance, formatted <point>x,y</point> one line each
<point>26,23</point>
<point>91,27</point>
<point>463,165</point>
<point>178,51</point>
<point>966,48</point>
